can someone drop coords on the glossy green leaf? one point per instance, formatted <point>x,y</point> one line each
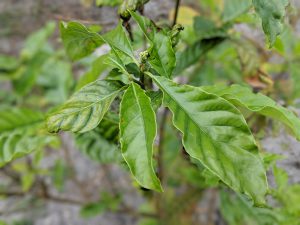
<point>86,108</point>
<point>137,134</point>
<point>78,40</point>
<point>215,133</point>
<point>162,56</point>
<point>20,133</point>
<point>234,8</point>
<point>244,97</point>
<point>272,13</point>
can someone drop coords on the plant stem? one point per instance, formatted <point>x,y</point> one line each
<point>176,12</point>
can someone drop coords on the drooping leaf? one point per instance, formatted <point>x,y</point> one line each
<point>137,134</point>
<point>78,40</point>
<point>215,133</point>
<point>272,13</point>
<point>162,56</point>
<point>244,97</point>
<point>193,53</point>
<point>234,8</point>
<point>86,108</point>
<point>20,133</point>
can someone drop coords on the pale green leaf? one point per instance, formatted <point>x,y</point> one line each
<point>93,74</point>
<point>20,133</point>
<point>108,2</point>
<point>137,134</point>
<point>78,40</point>
<point>272,13</point>
<point>234,8</point>
<point>86,108</point>
<point>37,40</point>
<point>215,133</point>
<point>193,53</point>
<point>244,97</point>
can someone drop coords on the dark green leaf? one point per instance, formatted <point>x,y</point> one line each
<point>215,133</point>
<point>137,134</point>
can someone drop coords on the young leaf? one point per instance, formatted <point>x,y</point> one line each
<point>162,56</point>
<point>20,133</point>
<point>244,97</point>
<point>271,13</point>
<point>137,134</point>
<point>215,133</point>
<point>120,43</point>
<point>78,40</point>
<point>86,108</point>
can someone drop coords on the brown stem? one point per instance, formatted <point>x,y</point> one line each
<point>176,12</point>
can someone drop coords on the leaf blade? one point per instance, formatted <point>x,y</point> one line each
<point>215,133</point>
<point>86,108</point>
<point>137,134</point>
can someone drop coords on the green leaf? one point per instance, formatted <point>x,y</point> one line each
<point>8,63</point>
<point>93,74</point>
<point>162,56</point>
<point>207,29</point>
<point>130,5</point>
<point>258,103</point>
<point>137,134</point>
<point>120,43</point>
<point>37,40</point>
<point>192,53</point>
<point>78,40</point>
<point>97,147</point>
<point>215,133</point>
<point>272,13</point>
<point>234,8</point>
<point>20,133</point>
<point>236,211</point>
<point>86,108</point>
<point>108,2</point>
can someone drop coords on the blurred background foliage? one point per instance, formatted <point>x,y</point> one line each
<point>83,176</point>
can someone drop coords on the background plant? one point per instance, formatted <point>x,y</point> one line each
<point>218,150</point>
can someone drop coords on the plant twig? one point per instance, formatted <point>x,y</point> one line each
<point>176,12</point>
